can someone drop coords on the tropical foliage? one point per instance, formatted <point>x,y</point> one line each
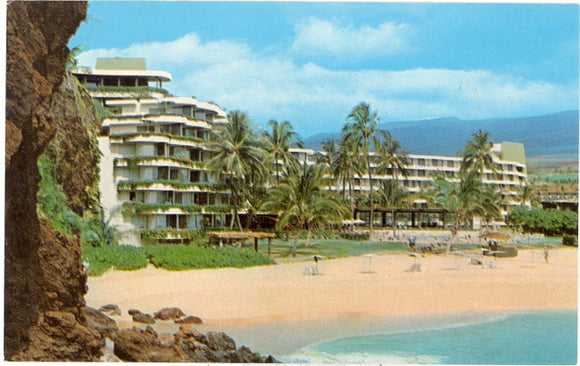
<point>238,156</point>
<point>362,131</point>
<point>548,222</point>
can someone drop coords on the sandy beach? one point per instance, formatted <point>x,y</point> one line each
<point>347,290</point>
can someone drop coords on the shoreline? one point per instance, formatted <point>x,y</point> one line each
<point>351,294</point>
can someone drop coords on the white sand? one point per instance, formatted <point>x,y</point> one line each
<point>283,293</point>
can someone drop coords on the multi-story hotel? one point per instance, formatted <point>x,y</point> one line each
<point>508,179</point>
<point>153,181</point>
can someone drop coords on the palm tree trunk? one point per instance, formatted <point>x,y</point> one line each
<point>394,172</point>
<point>371,189</point>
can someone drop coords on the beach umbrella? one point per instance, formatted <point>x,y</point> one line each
<point>370,257</point>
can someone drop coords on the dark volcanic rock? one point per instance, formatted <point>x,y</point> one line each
<point>219,341</point>
<point>189,320</point>
<point>134,312</point>
<point>44,280</point>
<point>110,309</point>
<point>106,326</point>
<point>133,345</point>
<point>169,314</point>
<point>143,318</point>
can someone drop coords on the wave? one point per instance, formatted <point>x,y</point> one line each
<point>318,357</point>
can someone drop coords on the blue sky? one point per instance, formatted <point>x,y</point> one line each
<point>311,62</point>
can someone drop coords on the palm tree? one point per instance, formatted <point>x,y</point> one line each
<point>279,142</point>
<point>328,158</point>
<point>477,154</point>
<point>526,191</point>
<point>362,130</point>
<point>459,198</point>
<point>392,158</point>
<point>300,199</point>
<point>238,154</point>
<point>489,203</point>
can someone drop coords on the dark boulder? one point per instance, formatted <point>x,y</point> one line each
<point>189,320</point>
<point>169,314</point>
<point>134,312</point>
<point>219,341</point>
<point>110,309</point>
<point>143,318</point>
<point>133,345</point>
<point>106,326</point>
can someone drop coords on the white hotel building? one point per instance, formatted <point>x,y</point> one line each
<point>153,180</point>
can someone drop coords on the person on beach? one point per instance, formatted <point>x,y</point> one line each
<point>546,254</point>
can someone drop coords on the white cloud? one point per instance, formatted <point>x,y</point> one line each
<point>318,36</point>
<point>187,50</point>
<point>316,99</point>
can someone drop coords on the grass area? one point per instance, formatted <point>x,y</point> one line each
<point>282,250</point>
<point>170,257</point>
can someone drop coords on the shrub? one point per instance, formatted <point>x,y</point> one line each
<point>123,257</point>
<point>570,240</point>
<point>182,257</point>
<point>355,236</point>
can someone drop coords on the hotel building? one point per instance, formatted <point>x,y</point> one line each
<point>153,182</point>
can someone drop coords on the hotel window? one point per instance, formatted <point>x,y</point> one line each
<point>160,149</point>
<point>435,162</point>
<point>145,129</point>
<point>450,163</point>
<point>421,162</point>
<point>156,110</point>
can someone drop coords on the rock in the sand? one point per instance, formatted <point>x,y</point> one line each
<point>186,332</point>
<point>134,311</point>
<point>189,320</point>
<point>106,326</point>
<point>169,314</point>
<point>133,345</point>
<point>143,318</point>
<point>110,309</point>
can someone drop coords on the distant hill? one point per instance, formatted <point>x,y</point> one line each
<point>548,135</point>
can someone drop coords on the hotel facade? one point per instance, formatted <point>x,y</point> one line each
<point>154,184</point>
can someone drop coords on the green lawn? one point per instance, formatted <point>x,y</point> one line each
<point>281,250</point>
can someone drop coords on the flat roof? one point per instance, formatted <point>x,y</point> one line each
<point>117,63</point>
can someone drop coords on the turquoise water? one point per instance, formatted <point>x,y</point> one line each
<point>539,338</point>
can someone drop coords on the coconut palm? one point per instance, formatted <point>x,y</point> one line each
<point>477,154</point>
<point>390,194</point>
<point>488,204</point>
<point>526,193</point>
<point>362,130</point>
<point>278,143</point>
<point>394,160</point>
<point>458,198</point>
<point>238,154</point>
<point>300,200</point>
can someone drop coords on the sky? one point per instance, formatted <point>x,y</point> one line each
<point>311,63</point>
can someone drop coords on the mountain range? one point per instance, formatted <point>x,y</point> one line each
<point>553,135</point>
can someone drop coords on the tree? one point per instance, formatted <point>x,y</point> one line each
<point>299,199</point>
<point>391,195</point>
<point>361,131</point>
<point>477,155</point>
<point>459,198</point>
<point>489,203</point>
<point>238,154</point>
<point>393,160</point>
<point>279,142</point>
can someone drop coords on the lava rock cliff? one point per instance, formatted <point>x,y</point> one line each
<point>44,280</point>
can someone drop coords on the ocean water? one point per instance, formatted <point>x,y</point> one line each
<point>535,338</point>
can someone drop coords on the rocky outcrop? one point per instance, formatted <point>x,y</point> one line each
<point>143,318</point>
<point>189,320</point>
<point>188,345</point>
<point>106,326</point>
<point>44,279</point>
<point>169,314</point>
